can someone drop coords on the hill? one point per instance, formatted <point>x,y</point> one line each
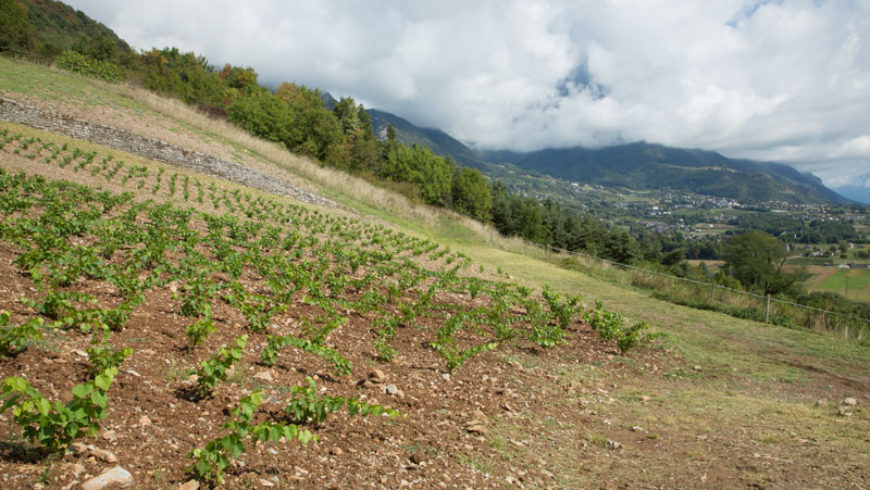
<point>56,27</point>
<point>375,302</point>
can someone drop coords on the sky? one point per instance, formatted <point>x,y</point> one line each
<point>775,80</point>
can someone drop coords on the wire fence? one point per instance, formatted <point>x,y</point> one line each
<point>716,297</point>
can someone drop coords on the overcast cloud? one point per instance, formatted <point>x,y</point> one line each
<point>772,80</point>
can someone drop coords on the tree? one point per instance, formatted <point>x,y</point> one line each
<point>359,149</point>
<point>17,32</point>
<point>318,131</point>
<point>432,175</point>
<point>471,194</point>
<point>756,259</point>
<point>503,217</point>
<point>267,117</point>
<point>620,246</point>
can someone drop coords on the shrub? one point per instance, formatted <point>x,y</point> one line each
<point>79,63</point>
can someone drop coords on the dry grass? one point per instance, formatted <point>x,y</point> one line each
<point>349,188</point>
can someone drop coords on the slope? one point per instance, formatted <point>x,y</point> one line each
<point>719,402</point>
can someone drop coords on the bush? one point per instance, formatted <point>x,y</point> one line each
<point>79,63</point>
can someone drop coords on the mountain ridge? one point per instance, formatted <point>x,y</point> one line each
<point>638,165</point>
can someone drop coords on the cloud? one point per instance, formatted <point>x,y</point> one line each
<point>776,80</point>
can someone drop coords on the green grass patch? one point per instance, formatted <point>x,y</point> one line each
<point>53,84</point>
<point>855,283</point>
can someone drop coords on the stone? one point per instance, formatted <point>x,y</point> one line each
<point>391,389</point>
<point>264,376</point>
<point>377,376</point>
<point>417,458</point>
<point>850,402</point>
<point>697,367</point>
<point>265,483</point>
<point>105,456</point>
<point>645,399</point>
<point>78,448</point>
<point>613,445</point>
<point>116,477</point>
<point>74,469</point>
<point>476,429</point>
<point>189,485</point>
<point>109,435</point>
<point>144,421</point>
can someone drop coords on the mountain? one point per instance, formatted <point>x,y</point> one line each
<point>652,166</point>
<point>436,140</point>
<point>640,166</point>
<point>858,189</point>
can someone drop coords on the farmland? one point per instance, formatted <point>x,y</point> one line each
<point>214,332</point>
<point>852,283</point>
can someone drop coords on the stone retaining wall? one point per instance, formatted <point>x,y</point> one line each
<point>152,149</point>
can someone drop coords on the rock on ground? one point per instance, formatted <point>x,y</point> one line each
<point>116,477</point>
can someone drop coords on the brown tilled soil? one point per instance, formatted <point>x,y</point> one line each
<point>155,418</point>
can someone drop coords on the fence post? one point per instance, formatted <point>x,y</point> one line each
<point>767,311</point>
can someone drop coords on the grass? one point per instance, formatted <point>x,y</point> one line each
<point>53,84</point>
<point>853,283</point>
